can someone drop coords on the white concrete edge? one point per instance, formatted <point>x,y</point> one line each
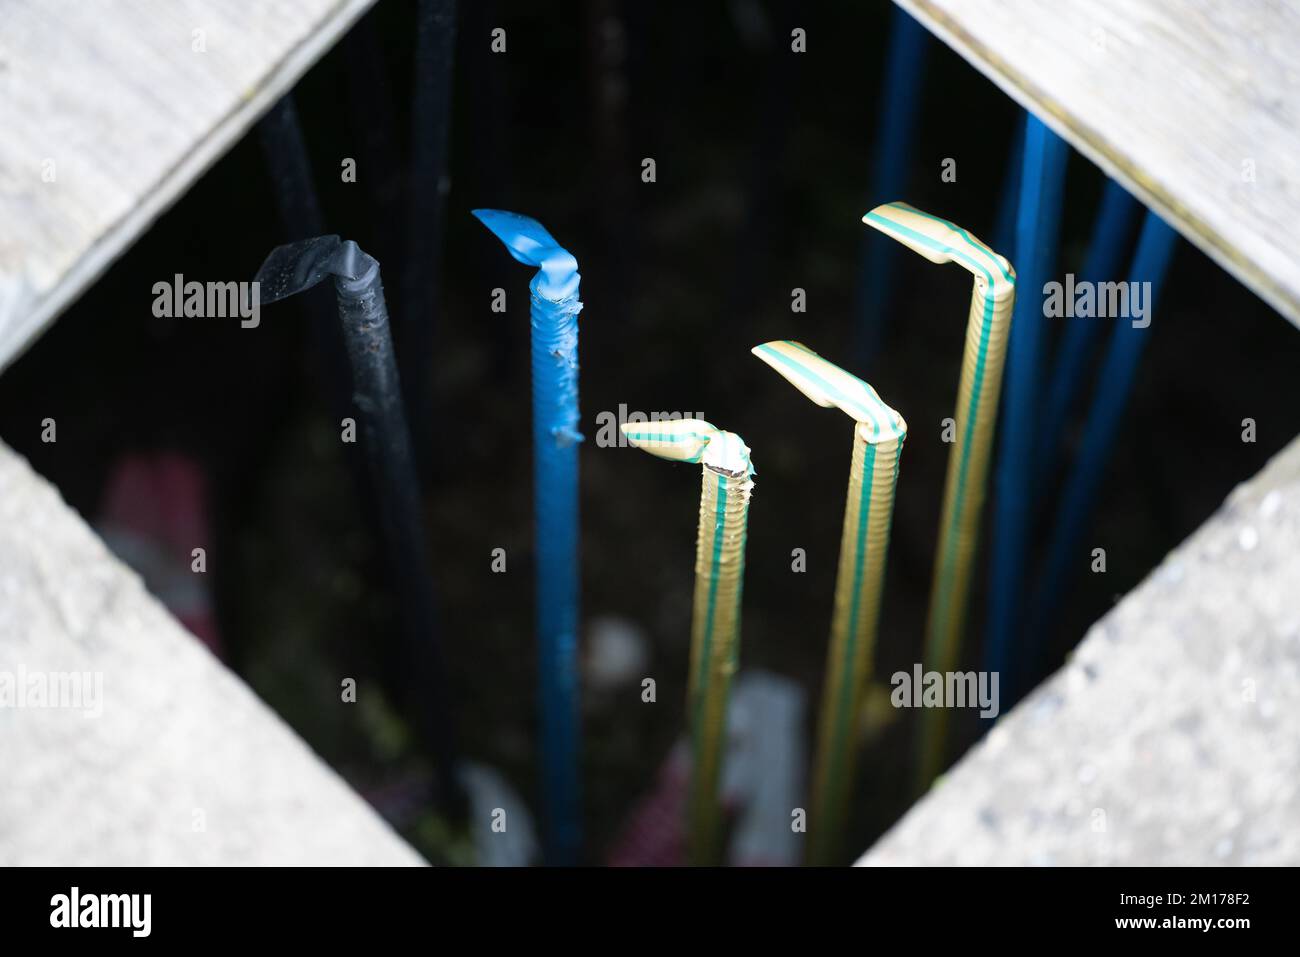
<point>118,238</point>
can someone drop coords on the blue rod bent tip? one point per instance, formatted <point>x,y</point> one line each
<point>528,241</point>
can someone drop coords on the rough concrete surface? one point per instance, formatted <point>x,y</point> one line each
<point>1171,737</point>
<point>182,764</point>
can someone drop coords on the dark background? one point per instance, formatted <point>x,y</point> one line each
<point>763,172</point>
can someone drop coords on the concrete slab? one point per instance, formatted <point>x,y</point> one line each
<point>1173,735</point>
<point>1191,106</point>
<point>123,741</point>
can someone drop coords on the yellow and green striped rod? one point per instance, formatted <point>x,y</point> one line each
<point>977,407</point>
<point>715,624</point>
<point>873,474</point>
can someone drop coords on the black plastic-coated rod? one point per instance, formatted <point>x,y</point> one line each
<point>363,313</point>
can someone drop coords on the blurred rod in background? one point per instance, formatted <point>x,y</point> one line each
<point>773,125</point>
<point>1004,230</point>
<point>554,320</point>
<point>363,313</point>
<point>1038,222</point>
<point>1111,238</point>
<point>435,38</point>
<point>486,134</point>
<point>287,162</point>
<point>900,97</point>
<point>1155,249</point>
<point>370,113</point>
<point>610,193</point>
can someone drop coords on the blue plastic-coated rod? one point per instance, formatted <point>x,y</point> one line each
<point>1038,222</point>
<point>899,102</point>
<point>1065,558</point>
<point>1102,263</point>
<point>1003,234</point>
<point>554,317</point>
